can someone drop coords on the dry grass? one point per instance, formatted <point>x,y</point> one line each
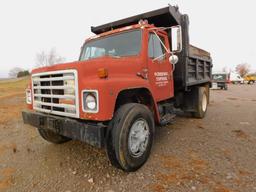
<point>12,98</point>
<point>12,87</point>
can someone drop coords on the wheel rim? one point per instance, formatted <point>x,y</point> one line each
<point>138,138</point>
<point>204,102</point>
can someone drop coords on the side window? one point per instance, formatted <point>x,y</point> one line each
<point>155,48</point>
<point>151,46</point>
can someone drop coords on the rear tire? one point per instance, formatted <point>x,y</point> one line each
<point>131,139</point>
<point>251,82</point>
<point>52,137</point>
<point>201,102</point>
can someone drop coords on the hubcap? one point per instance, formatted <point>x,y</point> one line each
<point>138,137</point>
<point>204,102</point>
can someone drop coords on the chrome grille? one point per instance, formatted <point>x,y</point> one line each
<point>56,93</point>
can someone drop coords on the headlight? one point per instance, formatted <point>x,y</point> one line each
<point>28,96</point>
<point>90,101</point>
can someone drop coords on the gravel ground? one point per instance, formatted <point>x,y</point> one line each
<point>215,154</point>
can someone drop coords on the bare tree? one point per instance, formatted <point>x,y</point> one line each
<point>44,59</point>
<point>41,59</point>
<point>14,72</point>
<point>243,69</point>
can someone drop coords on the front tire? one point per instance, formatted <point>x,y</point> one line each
<point>132,132</point>
<point>52,137</point>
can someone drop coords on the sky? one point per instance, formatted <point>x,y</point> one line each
<point>224,28</point>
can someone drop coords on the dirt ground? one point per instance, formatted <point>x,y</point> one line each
<point>216,154</point>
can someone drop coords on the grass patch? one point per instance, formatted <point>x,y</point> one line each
<point>13,86</point>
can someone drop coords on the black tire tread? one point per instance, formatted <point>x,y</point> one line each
<point>119,114</point>
<point>117,126</point>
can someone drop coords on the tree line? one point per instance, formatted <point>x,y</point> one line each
<point>242,69</point>
<point>43,59</point>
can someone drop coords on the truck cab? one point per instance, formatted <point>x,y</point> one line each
<point>130,76</point>
<point>138,58</point>
<point>220,80</point>
<point>250,78</point>
<point>235,78</point>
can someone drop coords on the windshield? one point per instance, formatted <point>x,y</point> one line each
<point>120,45</point>
<point>219,77</point>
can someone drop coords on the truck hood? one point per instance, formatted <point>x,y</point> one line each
<point>89,69</point>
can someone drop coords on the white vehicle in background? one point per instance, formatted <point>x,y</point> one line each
<point>235,78</point>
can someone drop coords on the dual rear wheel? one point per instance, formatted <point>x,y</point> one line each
<point>201,101</point>
<point>52,137</point>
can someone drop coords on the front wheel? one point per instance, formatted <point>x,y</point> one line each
<point>131,137</point>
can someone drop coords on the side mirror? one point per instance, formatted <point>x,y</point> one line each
<point>176,38</point>
<point>173,59</point>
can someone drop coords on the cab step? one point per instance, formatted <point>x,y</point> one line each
<point>167,119</point>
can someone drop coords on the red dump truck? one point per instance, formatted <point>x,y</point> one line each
<point>132,75</point>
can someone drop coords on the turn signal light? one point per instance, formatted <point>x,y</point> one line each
<point>102,73</point>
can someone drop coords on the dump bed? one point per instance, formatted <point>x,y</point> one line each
<point>194,66</point>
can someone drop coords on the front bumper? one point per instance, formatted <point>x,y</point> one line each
<point>91,133</point>
<point>221,84</point>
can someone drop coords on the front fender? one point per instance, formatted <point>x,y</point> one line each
<point>108,90</point>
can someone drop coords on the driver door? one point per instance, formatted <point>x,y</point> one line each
<point>159,67</point>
